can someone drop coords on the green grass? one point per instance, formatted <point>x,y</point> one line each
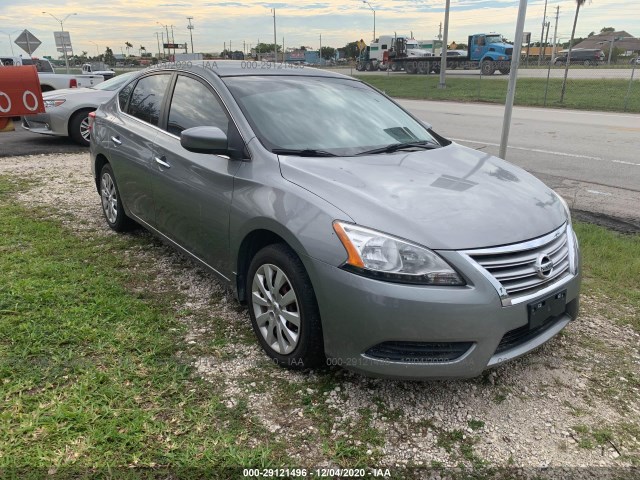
<point>587,94</point>
<point>611,267</point>
<point>89,373</point>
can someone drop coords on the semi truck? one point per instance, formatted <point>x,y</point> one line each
<point>489,52</point>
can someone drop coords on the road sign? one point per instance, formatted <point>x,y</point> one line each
<point>63,41</point>
<point>28,42</point>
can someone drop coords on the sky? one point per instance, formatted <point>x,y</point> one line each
<point>101,23</point>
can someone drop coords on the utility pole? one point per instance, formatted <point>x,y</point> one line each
<point>275,42</point>
<point>158,39</point>
<point>440,32</point>
<point>513,77</point>
<point>173,41</point>
<point>445,40</point>
<point>610,49</point>
<point>283,50</point>
<point>555,32</point>
<point>190,27</point>
<point>544,22</point>
<point>320,51</point>
<point>546,39</point>
<point>64,46</point>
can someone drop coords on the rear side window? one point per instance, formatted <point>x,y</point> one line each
<point>123,96</point>
<point>146,98</point>
<point>194,105</point>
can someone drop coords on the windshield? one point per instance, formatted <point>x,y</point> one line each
<point>495,39</point>
<point>333,115</point>
<point>115,82</point>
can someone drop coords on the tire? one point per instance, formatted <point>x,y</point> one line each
<point>587,63</point>
<point>368,67</point>
<point>359,67</point>
<point>411,67</point>
<point>79,127</point>
<point>111,202</point>
<point>487,67</point>
<point>505,71</point>
<point>436,69</point>
<point>423,68</point>
<point>274,309</point>
<point>394,67</point>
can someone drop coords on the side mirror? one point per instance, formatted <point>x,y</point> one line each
<point>205,140</point>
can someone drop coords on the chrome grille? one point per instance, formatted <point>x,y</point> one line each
<point>514,266</point>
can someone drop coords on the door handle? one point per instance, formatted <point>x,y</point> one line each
<point>161,162</point>
<point>116,140</point>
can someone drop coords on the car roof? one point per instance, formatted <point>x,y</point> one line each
<point>239,68</point>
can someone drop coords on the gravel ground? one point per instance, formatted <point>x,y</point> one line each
<point>571,403</point>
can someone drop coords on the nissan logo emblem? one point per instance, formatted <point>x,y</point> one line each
<point>543,266</point>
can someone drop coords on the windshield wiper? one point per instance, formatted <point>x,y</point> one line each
<point>307,152</point>
<point>394,147</point>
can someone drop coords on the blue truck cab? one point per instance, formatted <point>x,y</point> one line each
<point>491,51</point>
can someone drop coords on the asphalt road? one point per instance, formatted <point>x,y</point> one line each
<point>23,142</point>
<point>591,158</point>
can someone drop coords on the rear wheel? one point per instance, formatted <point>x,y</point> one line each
<point>423,68</point>
<point>283,308</point>
<point>79,128</point>
<point>111,201</point>
<point>587,63</point>
<point>395,67</point>
<point>411,67</point>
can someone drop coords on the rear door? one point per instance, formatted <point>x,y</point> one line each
<point>131,141</point>
<point>193,191</point>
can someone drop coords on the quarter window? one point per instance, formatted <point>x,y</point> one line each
<point>146,98</point>
<point>194,105</point>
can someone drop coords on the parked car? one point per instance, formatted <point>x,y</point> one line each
<point>635,60</point>
<point>584,56</point>
<point>67,110</point>
<point>356,234</point>
<point>49,79</point>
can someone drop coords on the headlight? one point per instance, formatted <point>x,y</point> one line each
<point>53,103</point>
<point>384,257</point>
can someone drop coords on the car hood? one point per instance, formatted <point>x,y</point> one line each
<point>448,198</point>
<point>69,92</point>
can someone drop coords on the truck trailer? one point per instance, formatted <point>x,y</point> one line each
<point>486,51</point>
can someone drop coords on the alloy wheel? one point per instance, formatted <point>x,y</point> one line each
<point>109,198</point>
<point>276,309</point>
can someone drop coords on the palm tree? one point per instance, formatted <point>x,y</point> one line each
<point>579,3</point>
<point>141,49</point>
<point>128,45</point>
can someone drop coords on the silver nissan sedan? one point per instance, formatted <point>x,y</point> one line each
<point>356,235</point>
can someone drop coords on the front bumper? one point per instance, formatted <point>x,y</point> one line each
<point>359,314</point>
<point>46,124</point>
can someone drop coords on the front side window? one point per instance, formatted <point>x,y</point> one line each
<point>146,98</point>
<point>339,116</point>
<point>194,105</point>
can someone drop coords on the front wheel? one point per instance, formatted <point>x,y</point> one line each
<point>79,128</point>
<point>283,309</point>
<point>487,67</point>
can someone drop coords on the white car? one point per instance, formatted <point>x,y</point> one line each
<point>67,110</point>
